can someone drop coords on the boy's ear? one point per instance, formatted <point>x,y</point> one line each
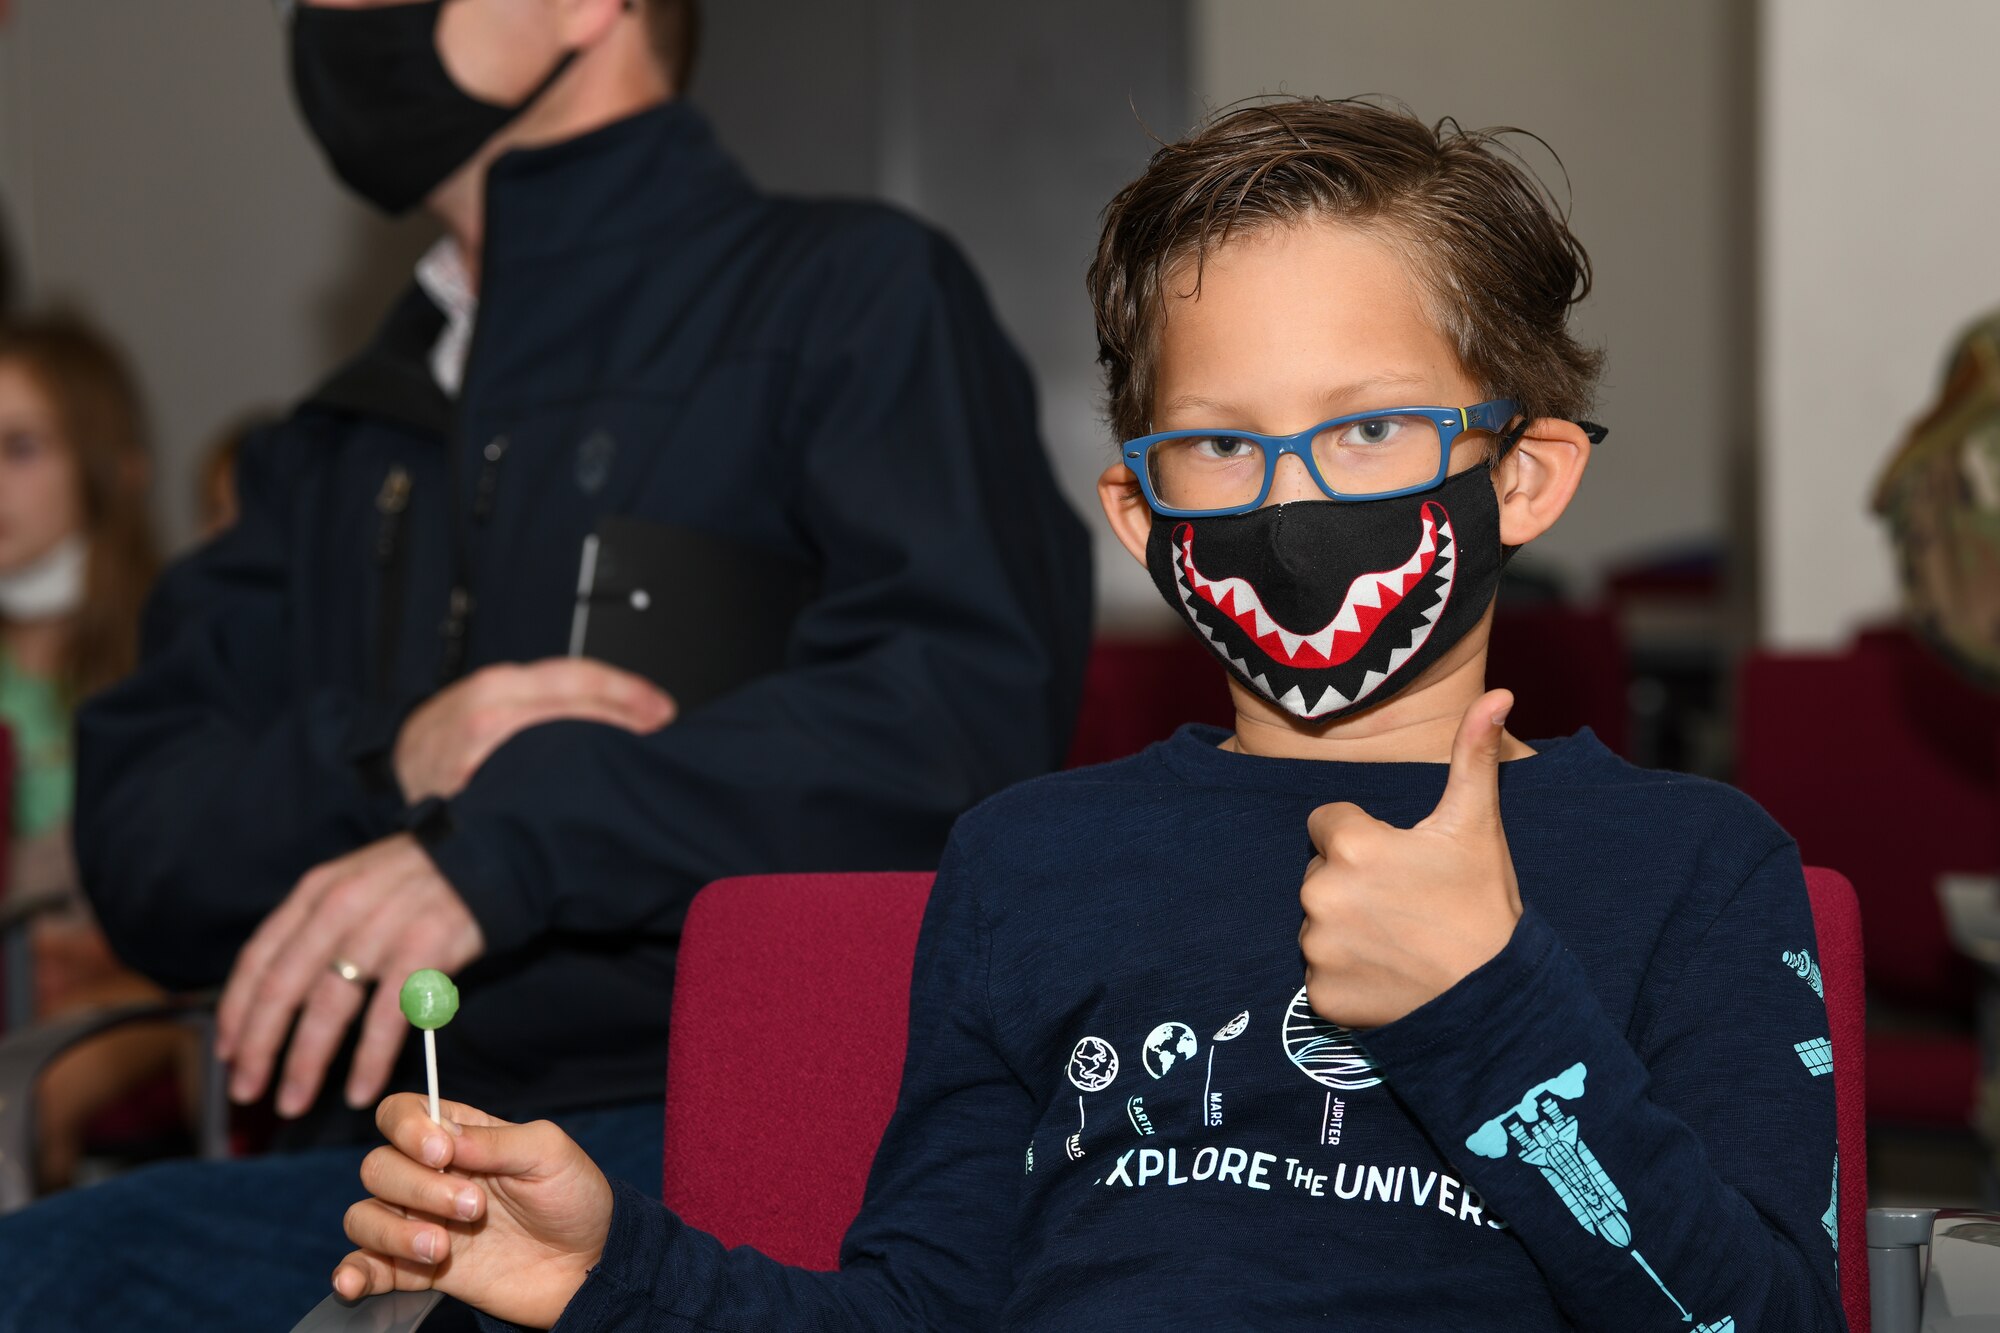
<point>1125,508</point>
<point>1538,477</point>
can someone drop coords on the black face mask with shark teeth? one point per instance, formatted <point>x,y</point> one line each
<point>1326,607</point>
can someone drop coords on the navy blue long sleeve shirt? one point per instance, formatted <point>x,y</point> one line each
<point>1119,1112</point>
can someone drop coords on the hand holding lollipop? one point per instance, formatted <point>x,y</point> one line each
<point>429,1001</point>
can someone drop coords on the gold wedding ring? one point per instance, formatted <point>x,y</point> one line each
<point>346,971</point>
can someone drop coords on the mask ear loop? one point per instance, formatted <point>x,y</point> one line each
<point>1509,438</point>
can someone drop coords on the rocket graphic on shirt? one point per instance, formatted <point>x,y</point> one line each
<point>1550,1139</point>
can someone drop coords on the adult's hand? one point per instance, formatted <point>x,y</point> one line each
<point>1396,917</point>
<point>386,910</point>
<point>445,740</point>
<point>507,1218</point>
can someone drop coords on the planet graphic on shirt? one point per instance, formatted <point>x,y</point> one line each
<point>1233,1029</point>
<point>1325,1052</point>
<point>1167,1045</point>
<point>1093,1065</point>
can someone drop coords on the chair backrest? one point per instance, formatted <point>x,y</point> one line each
<point>1837,924</point>
<point>1567,667</point>
<point>1140,690</point>
<point>791,1007</point>
<point>1879,760</point>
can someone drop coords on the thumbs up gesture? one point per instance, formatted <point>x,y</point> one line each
<point>1396,917</point>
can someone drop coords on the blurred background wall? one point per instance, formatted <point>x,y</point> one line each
<point>155,175</point>
<point>1728,169</point>
<point>1877,206</point>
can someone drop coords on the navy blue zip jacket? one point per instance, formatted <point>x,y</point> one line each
<point>657,339</point>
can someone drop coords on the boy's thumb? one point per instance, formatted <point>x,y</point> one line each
<point>505,1150</point>
<point>1472,789</point>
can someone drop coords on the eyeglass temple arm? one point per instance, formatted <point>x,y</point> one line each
<point>1591,430</point>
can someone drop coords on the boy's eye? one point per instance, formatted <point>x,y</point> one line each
<point>1380,431</point>
<point>1224,448</point>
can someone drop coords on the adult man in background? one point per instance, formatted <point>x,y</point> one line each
<point>357,746</point>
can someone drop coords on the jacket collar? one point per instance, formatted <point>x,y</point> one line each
<point>391,377</point>
<point>656,169</point>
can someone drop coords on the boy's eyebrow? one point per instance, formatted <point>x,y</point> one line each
<point>1345,393</point>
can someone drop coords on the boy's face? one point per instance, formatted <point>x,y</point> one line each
<point>1295,325</point>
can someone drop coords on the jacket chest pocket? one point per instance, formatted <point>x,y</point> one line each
<point>710,455</point>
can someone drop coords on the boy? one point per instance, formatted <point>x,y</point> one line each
<point>1558,1058</point>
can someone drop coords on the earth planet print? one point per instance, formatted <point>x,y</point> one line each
<point>1093,1065</point>
<point>1166,1046</point>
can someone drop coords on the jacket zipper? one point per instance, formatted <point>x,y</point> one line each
<point>458,612</point>
<point>390,504</point>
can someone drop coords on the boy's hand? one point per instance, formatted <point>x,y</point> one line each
<point>508,1218</point>
<point>1396,917</point>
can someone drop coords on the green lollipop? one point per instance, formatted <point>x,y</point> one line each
<point>429,1001</point>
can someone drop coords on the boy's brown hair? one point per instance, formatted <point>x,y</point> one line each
<point>1496,261</point>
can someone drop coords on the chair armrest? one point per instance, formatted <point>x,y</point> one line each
<point>25,1055</point>
<point>1962,1288</point>
<point>393,1312</point>
<point>1896,1241</point>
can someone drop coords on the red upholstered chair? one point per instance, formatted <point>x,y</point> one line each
<point>1837,923</point>
<point>791,1005</point>
<point>1567,668</point>
<point>1881,761</point>
<point>1140,690</point>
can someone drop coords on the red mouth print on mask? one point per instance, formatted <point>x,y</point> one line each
<point>1369,600</point>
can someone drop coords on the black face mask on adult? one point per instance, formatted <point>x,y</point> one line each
<point>385,110</point>
<point>1326,607</point>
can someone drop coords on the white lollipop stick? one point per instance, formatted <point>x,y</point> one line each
<point>431,1065</point>
<point>429,1000</point>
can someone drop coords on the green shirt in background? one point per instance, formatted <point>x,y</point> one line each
<point>32,709</point>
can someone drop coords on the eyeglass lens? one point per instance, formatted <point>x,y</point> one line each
<point>1369,457</point>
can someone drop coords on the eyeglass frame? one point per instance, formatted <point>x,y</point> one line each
<point>1492,415</point>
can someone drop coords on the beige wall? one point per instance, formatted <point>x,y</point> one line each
<point>1648,106</point>
<point>156,176</point>
<point>1879,210</point>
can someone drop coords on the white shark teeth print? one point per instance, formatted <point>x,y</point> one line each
<point>1364,591</point>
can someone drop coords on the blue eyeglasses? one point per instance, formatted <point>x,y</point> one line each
<point>1366,456</point>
